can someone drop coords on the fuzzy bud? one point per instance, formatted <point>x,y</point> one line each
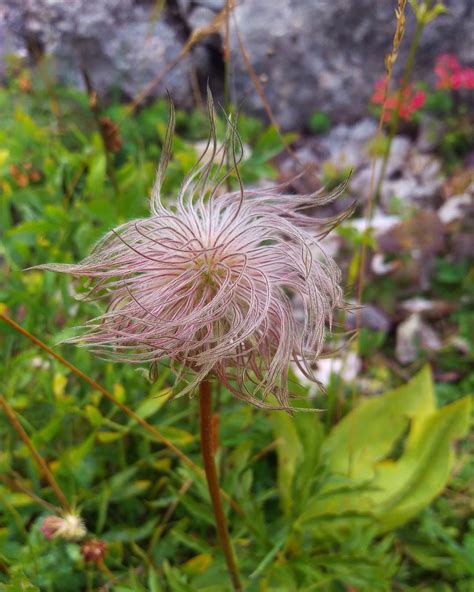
<point>70,527</point>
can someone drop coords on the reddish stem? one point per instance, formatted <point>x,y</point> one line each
<point>207,448</point>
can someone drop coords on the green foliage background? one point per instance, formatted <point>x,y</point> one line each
<point>341,500</point>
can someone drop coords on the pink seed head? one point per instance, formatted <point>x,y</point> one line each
<point>208,282</point>
<point>69,527</point>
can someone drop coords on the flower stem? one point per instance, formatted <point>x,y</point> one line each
<point>42,464</point>
<point>205,406</point>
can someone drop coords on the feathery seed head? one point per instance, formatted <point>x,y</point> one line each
<point>69,527</point>
<point>207,281</point>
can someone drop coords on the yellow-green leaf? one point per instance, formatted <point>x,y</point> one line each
<point>289,452</point>
<point>150,406</point>
<point>388,458</point>
<point>423,470</point>
<point>368,433</point>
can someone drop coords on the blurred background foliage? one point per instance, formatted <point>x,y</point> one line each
<point>367,495</point>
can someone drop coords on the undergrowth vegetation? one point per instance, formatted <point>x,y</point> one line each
<point>350,498</point>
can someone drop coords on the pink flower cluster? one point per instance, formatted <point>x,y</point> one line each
<point>450,75</point>
<point>411,100</point>
<point>207,282</point>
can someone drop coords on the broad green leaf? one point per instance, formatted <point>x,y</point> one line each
<point>369,432</point>
<point>387,459</point>
<point>423,470</point>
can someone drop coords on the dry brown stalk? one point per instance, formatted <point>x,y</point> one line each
<point>199,34</point>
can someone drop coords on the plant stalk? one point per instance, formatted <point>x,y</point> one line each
<point>147,426</point>
<point>396,115</point>
<point>42,464</point>
<point>207,448</point>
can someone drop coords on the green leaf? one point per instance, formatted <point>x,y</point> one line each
<point>270,144</point>
<point>367,434</point>
<point>97,173</point>
<point>289,452</point>
<point>423,470</point>
<point>150,406</point>
<point>388,458</point>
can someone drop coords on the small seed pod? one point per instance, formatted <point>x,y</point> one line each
<point>94,550</point>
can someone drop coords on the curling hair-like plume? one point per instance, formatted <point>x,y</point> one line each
<point>207,282</point>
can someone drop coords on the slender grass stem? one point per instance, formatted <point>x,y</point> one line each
<point>207,448</point>
<point>396,114</point>
<point>42,464</point>
<point>96,386</point>
<point>16,486</point>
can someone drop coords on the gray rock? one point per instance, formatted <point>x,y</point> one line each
<point>311,54</point>
<point>419,180</point>
<point>379,224</point>
<point>399,153</point>
<point>200,17</point>
<point>396,166</point>
<point>427,308</point>
<point>121,42</point>
<point>346,145</point>
<point>368,316</point>
<point>326,55</point>
<point>455,208</point>
<point>413,336</point>
<point>380,266</point>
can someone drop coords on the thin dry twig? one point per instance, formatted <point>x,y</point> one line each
<point>197,35</point>
<point>16,486</point>
<point>261,93</point>
<point>390,60</point>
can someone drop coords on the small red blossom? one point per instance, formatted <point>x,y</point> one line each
<point>451,75</point>
<point>412,100</point>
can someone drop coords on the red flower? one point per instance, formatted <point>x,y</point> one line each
<point>451,75</point>
<point>412,100</point>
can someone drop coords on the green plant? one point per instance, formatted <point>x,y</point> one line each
<point>319,122</point>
